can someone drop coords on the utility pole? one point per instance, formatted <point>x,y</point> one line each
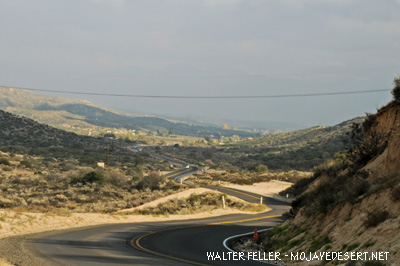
<point>120,150</point>
<point>108,156</point>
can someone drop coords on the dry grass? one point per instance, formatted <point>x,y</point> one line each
<point>215,177</point>
<point>197,203</point>
<point>76,190</point>
<point>3,262</point>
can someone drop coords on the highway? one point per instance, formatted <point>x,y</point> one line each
<point>158,243</point>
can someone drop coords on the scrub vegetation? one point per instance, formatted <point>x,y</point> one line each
<point>298,150</point>
<point>196,203</point>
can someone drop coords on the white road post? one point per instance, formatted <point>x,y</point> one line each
<point>261,199</point>
<point>223,201</point>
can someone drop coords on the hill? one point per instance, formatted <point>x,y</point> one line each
<point>25,132</point>
<point>296,150</point>
<point>351,203</point>
<point>82,116</point>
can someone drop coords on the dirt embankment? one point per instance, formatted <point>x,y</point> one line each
<point>386,124</point>
<point>368,222</point>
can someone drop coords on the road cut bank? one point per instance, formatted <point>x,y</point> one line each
<point>298,256</point>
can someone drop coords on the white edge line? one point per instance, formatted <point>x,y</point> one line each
<point>235,236</point>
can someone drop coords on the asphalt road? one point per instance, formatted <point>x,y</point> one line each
<point>178,175</point>
<point>161,243</point>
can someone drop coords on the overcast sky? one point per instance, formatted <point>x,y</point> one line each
<point>208,48</point>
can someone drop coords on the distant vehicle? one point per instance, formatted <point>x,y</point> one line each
<point>187,166</point>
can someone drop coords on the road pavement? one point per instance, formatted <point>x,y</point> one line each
<point>159,243</point>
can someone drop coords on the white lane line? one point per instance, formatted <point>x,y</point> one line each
<point>235,236</point>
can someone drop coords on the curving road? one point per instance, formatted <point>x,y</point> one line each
<point>158,243</point>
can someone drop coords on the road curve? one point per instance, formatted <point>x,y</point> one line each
<point>191,243</point>
<point>158,243</point>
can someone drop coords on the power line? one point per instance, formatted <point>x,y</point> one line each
<point>202,76</point>
<point>205,97</point>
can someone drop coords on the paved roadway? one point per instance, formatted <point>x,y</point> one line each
<point>158,243</point>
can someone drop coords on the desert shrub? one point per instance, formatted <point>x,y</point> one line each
<point>368,244</point>
<point>319,242</point>
<point>66,166</point>
<point>5,203</point>
<point>4,161</point>
<point>299,187</point>
<point>87,159</point>
<point>395,194</point>
<point>396,89</point>
<point>26,163</point>
<point>151,182</point>
<point>373,219</point>
<point>93,177</point>
<point>7,168</point>
<point>326,196</point>
<point>232,169</point>
<point>352,246</point>
<point>261,168</point>
<point>116,178</point>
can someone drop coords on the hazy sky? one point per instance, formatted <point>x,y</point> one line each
<point>208,48</point>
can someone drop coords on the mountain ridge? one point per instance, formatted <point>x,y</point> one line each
<point>69,113</point>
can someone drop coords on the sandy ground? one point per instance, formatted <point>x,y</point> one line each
<point>268,189</point>
<point>19,223</point>
<point>4,262</point>
<point>182,194</point>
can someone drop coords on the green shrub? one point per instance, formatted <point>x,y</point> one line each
<point>319,242</point>
<point>25,163</point>
<point>352,246</point>
<point>93,177</point>
<point>4,161</point>
<point>396,89</point>
<point>368,244</point>
<point>261,168</point>
<point>87,159</point>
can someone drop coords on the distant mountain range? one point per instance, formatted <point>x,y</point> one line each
<point>250,125</point>
<point>74,115</point>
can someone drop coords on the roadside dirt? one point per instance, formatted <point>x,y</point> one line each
<point>268,189</point>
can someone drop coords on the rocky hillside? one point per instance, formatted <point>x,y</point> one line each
<point>352,203</point>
